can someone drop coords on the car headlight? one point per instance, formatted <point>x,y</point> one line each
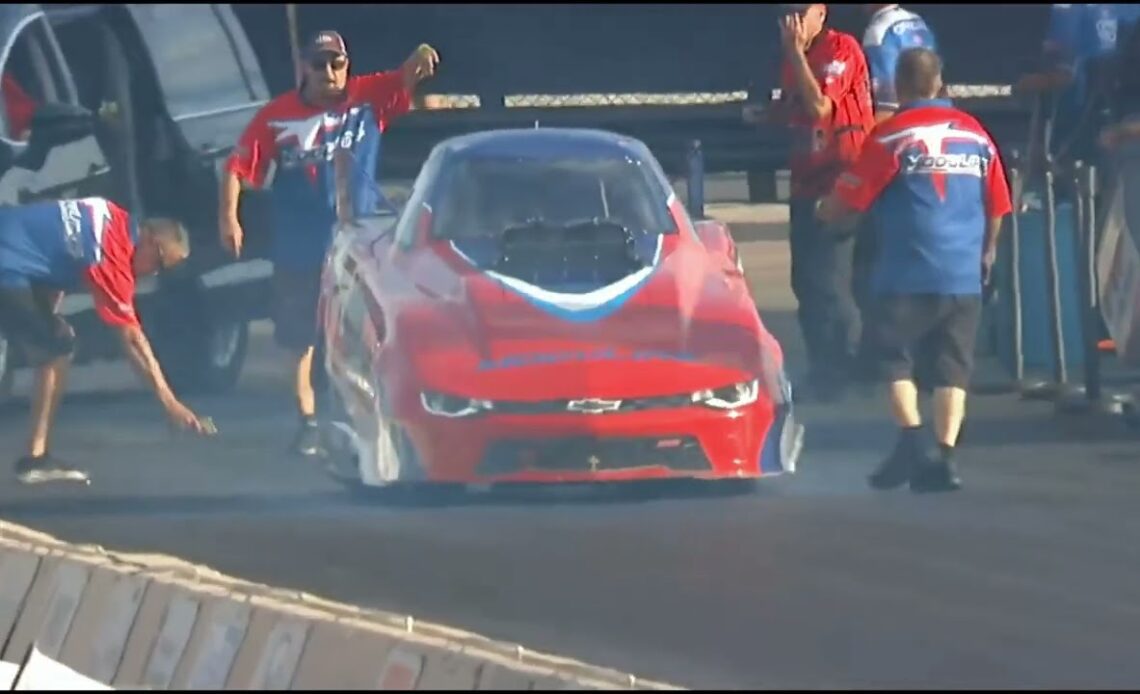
<point>444,405</point>
<point>729,397</point>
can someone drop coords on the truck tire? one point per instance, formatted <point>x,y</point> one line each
<point>201,350</point>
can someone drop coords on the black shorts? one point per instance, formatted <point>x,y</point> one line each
<point>295,297</point>
<point>29,321</point>
<point>939,332</point>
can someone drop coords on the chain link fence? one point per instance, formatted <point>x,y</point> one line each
<point>628,99</point>
<point>437,102</point>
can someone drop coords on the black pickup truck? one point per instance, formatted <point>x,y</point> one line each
<point>157,96</point>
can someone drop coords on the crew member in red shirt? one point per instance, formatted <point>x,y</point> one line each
<point>931,182</point>
<point>826,101</point>
<point>300,132</point>
<point>52,247</point>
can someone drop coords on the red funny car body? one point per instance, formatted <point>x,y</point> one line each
<point>622,344</point>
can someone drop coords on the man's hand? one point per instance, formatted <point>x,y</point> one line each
<point>754,114</point>
<point>989,257</point>
<point>830,211</point>
<point>231,235</point>
<point>793,34</point>
<point>183,419</point>
<point>420,65</point>
<point>142,359</point>
<point>1042,82</point>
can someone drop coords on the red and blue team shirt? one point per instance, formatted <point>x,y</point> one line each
<point>65,244</point>
<point>821,149</point>
<point>929,177</point>
<point>891,31</point>
<point>302,140</point>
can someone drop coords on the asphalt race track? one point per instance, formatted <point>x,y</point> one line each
<point>1025,579</point>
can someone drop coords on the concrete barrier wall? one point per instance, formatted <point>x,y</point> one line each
<point>157,622</point>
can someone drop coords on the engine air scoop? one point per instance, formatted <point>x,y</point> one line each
<point>581,255</point>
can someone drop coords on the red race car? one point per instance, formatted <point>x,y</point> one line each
<point>544,310</point>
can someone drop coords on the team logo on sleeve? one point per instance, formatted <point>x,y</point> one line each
<point>73,213</point>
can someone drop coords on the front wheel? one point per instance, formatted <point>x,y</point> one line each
<point>209,360</point>
<point>199,338</point>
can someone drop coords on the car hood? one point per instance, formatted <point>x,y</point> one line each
<point>684,323</point>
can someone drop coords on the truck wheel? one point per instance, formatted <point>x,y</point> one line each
<point>200,345</point>
<point>211,360</point>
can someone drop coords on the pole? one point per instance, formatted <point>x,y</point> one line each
<point>1017,183</point>
<point>696,181</point>
<point>294,42</point>
<point>1083,203</point>
<point>1052,280</point>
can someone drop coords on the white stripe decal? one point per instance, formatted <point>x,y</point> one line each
<point>237,273</point>
<point>574,302</point>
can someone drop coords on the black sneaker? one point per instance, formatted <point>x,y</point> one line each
<point>897,469</point>
<point>940,475</point>
<point>45,468</point>
<point>307,441</point>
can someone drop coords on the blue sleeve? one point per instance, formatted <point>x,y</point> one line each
<point>881,61</point>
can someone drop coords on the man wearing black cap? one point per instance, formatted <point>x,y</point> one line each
<point>826,102</point>
<point>301,131</point>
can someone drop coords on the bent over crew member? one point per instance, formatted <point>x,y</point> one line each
<point>932,182</point>
<point>826,101</point>
<point>49,248</point>
<point>300,132</point>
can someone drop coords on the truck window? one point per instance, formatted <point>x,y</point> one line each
<point>32,73</point>
<point>195,58</point>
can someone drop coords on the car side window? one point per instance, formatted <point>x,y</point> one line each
<point>32,72</point>
<point>198,67</point>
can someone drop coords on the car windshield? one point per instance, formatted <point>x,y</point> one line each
<point>483,197</point>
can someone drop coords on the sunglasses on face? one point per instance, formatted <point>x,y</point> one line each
<point>337,62</point>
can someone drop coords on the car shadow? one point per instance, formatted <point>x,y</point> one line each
<point>565,494</point>
<point>76,504</point>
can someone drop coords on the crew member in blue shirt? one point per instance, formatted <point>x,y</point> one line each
<point>1078,35</point>
<point>890,31</point>
<point>932,185</point>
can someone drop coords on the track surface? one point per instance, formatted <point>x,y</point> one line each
<point>1027,578</point>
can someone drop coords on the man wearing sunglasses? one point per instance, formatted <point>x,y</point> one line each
<point>49,248</point>
<point>301,132</point>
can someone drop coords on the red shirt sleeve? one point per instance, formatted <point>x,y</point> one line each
<point>868,176</point>
<point>998,202</point>
<point>112,279</point>
<point>386,92</point>
<point>114,295</point>
<point>20,106</point>
<point>255,150</point>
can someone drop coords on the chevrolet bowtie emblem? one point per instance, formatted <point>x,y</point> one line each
<point>593,406</point>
